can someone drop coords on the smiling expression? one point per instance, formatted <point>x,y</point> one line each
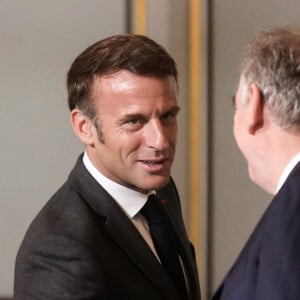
<point>136,120</point>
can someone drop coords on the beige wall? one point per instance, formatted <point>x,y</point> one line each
<point>39,40</point>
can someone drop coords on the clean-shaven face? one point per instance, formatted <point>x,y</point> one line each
<point>137,119</point>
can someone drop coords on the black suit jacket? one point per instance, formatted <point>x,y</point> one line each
<point>268,267</point>
<point>82,246</point>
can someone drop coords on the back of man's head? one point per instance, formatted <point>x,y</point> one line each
<point>272,62</point>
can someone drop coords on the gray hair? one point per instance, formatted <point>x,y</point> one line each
<point>272,62</point>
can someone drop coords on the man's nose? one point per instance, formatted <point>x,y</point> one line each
<point>155,135</point>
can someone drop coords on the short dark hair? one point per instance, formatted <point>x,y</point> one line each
<point>135,53</point>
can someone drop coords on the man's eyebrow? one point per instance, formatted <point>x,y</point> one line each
<point>175,108</point>
<point>130,116</point>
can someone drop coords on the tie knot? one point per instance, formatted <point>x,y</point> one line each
<point>150,210</point>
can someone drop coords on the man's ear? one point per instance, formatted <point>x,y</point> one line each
<point>82,126</point>
<point>255,109</point>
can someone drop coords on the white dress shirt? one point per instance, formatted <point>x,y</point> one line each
<point>287,170</point>
<point>130,201</point>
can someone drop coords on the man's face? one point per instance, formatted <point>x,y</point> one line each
<point>137,119</point>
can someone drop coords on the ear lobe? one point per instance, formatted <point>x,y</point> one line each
<point>82,126</point>
<point>255,109</point>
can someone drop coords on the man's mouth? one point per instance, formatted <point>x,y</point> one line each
<point>152,162</point>
<point>155,165</point>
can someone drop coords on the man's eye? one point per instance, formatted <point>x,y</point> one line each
<point>169,116</point>
<point>135,121</point>
<point>134,124</point>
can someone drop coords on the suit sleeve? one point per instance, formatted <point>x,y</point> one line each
<point>57,267</point>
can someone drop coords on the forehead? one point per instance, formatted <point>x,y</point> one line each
<point>126,86</point>
<point>124,78</point>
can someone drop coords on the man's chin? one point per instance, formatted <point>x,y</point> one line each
<point>153,184</point>
<point>159,183</point>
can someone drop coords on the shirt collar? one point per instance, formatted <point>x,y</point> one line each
<point>129,200</point>
<point>287,170</point>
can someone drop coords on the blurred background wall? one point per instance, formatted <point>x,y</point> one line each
<point>38,42</point>
<point>40,39</point>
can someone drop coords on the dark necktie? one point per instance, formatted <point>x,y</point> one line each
<point>165,243</point>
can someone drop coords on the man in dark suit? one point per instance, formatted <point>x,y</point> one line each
<point>267,131</point>
<point>93,240</point>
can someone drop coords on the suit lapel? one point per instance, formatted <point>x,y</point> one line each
<point>123,232</point>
